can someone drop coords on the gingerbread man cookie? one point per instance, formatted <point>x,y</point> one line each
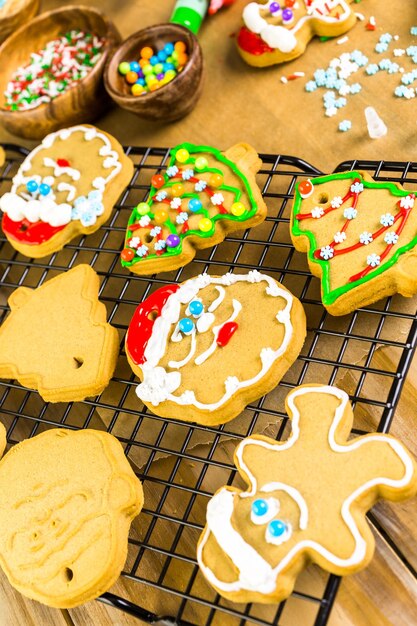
<point>306,500</point>
<point>201,197</point>
<point>360,236</point>
<point>67,499</point>
<point>67,186</point>
<point>210,346</point>
<point>275,32</point>
<point>56,338</point>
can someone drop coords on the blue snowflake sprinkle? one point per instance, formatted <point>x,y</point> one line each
<point>311,86</point>
<point>385,38</point>
<point>391,238</point>
<point>413,30</point>
<point>372,69</point>
<point>381,47</point>
<point>340,102</point>
<point>345,125</point>
<point>355,88</point>
<point>350,213</point>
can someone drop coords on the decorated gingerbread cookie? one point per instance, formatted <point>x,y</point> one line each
<point>360,236</point>
<point>306,500</point>
<point>67,186</point>
<point>67,499</point>
<point>56,338</point>
<point>210,346</point>
<point>201,197</point>
<point>275,32</point>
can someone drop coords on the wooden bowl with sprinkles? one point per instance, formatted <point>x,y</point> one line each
<point>14,13</point>
<point>71,86</point>
<point>171,101</point>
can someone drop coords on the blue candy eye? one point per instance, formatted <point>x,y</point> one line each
<point>277,528</point>
<point>32,186</point>
<point>44,189</point>
<point>186,325</point>
<point>195,307</point>
<point>260,507</point>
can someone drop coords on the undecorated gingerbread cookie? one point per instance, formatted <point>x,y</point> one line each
<point>202,196</point>
<point>360,236</point>
<point>305,502</point>
<point>67,499</point>
<point>275,32</point>
<point>56,338</point>
<point>67,186</point>
<point>210,346</point>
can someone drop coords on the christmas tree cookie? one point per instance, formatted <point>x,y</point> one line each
<point>67,186</point>
<point>305,502</point>
<point>275,32</point>
<point>56,338</point>
<point>360,236</point>
<point>202,196</point>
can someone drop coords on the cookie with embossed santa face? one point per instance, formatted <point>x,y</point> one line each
<point>67,186</point>
<point>206,348</point>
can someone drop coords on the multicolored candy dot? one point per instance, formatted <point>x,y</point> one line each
<point>195,205</point>
<point>182,155</point>
<point>277,528</point>
<point>201,163</point>
<point>143,208</point>
<point>124,68</point>
<point>160,215</point>
<point>177,190</point>
<point>196,307</point>
<point>237,209</point>
<point>157,181</point>
<point>215,180</point>
<point>205,225</point>
<point>172,241</point>
<point>259,507</point>
<point>127,254</point>
<point>305,188</point>
<point>186,325</point>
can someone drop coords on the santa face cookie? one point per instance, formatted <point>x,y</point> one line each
<point>56,338</point>
<point>360,236</point>
<point>210,346</point>
<point>275,32</point>
<point>203,195</point>
<point>306,500</point>
<point>67,186</point>
<point>67,499</point>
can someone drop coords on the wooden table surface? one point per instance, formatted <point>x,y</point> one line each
<point>242,103</point>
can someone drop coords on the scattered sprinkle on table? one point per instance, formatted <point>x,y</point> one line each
<point>53,70</point>
<point>154,69</point>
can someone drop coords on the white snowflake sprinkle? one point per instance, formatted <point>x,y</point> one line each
<point>327,253</point>
<point>356,187</point>
<point>142,251</point>
<point>160,245</point>
<point>317,212</point>
<point>145,220</point>
<point>181,217</point>
<point>407,202</point>
<point>175,203</point>
<point>336,202</point>
<point>187,174</point>
<point>387,219</point>
<point>161,195</point>
<point>172,171</point>
<point>391,238</point>
<point>365,238</point>
<point>134,242</point>
<point>155,231</point>
<point>373,260</point>
<point>217,199</point>
<point>339,237</point>
<point>200,186</point>
<point>350,213</point>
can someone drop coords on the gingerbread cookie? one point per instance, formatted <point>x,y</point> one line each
<point>277,32</point>
<point>67,186</point>
<point>201,197</point>
<point>360,236</point>
<point>67,501</point>
<point>210,346</point>
<point>306,500</point>
<point>56,338</point>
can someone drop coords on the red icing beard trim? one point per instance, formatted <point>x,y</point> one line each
<point>252,43</point>
<point>31,233</point>
<point>141,326</point>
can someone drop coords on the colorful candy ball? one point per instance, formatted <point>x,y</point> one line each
<point>172,241</point>
<point>205,225</point>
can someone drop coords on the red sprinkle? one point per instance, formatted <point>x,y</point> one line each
<point>63,163</point>
<point>226,333</point>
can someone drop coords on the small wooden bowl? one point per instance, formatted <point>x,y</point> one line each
<point>81,103</point>
<point>17,14</point>
<point>170,102</point>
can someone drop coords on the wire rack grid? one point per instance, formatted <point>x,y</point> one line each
<point>181,464</point>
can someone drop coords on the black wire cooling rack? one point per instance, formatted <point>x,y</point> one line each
<point>180,464</point>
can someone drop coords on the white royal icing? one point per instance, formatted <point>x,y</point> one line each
<point>255,574</point>
<point>20,205</point>
<point>169,316</point>
<point>281,38</point>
